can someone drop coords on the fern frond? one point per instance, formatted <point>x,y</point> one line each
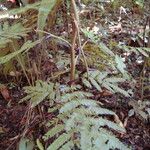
<point>55,130</point>
<point>117,89</point>
<point>39,92</point>
<point>45,8</point>
<point>99,80</point>
<point>76,94</point>
<point>24,48</point>
<point>82,117</point>
<point>67,146</point>
<point>100,111</point>
<point>78,102</point>
<point>100,122</point>
<point>104,137</point>
<point>143,50</point>
<point>86,83</point>
<point>15,31</point>
<point>59,141</point>
<point>95,84</point>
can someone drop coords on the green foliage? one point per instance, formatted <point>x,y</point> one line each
<point>39,92</point>
<point>81,123</point>
<point>139,2</point>
<point>138,50</point>
<point>96,40</point>
<point>26,46</point>
<point>46,7</point>
<point>141,109</point>
<point>9,33</point>
<point>121,66</point>
<point>101,80</point>
<point>26,144</point>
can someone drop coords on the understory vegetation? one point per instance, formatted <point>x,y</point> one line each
<point>74,74</point>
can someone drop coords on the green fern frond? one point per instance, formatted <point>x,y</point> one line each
<point>86,83</point>
<point>78,102</point>
<point>82,116</point>
<point>76,94</point>
<point>15,31</point>
<point>67,146</point>
<point>100,122</point>
<point>117,89</point>
<point>100,111</point>
<point>99,80</point>
<point>96,40</point>
<point>95,84</point>
<point>104,137</point>
<point>9,32</point>
<point>26,46</point>
<point>39,92</point>
<point>45,8</point>
<point>141,109</point>
<point>142,50</point>
<point>60,141</point>
<point>54,131</point>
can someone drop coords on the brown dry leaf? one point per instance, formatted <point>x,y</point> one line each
<point>5,93</point>
<point>118,121</point>
<point>106,93</point>
<point>1,130</point>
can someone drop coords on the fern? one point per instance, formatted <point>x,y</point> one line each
<point>15,31</point>
<point>45,8</point>
<point>53,131</point>
<point>141,109</point>
<point>59,141</point>
<point>95,39</point>
<point>99,80</point>
<point>82,117</point>
<point>39,92</point>
<point>121,66</point>
<point>138,50</point>
<point>24,48</point>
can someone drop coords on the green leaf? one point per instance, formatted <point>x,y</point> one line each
<point>39,144</point>
<point>120,64</point>
<point>59,141</point>
<point>105,49</point>
<point>67,146</point>
<point>24,48</point>
<point>95,84</point>
<point>45,8</point>
<point>55,130</point>
<point>26,144</point>
<point>86,83</point>
<point>39,92</point>
<point>76,94</point>
<point>75,103</point>
<point>101,111</point>
<point>103,122</point>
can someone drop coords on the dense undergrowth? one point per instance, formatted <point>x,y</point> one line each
<point>63,54</point>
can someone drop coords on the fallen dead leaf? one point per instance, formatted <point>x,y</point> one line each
<point>5,93</point>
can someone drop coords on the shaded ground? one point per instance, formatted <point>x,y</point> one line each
<point>14,118</point>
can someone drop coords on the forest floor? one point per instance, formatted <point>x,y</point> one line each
<point>13,115</point>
